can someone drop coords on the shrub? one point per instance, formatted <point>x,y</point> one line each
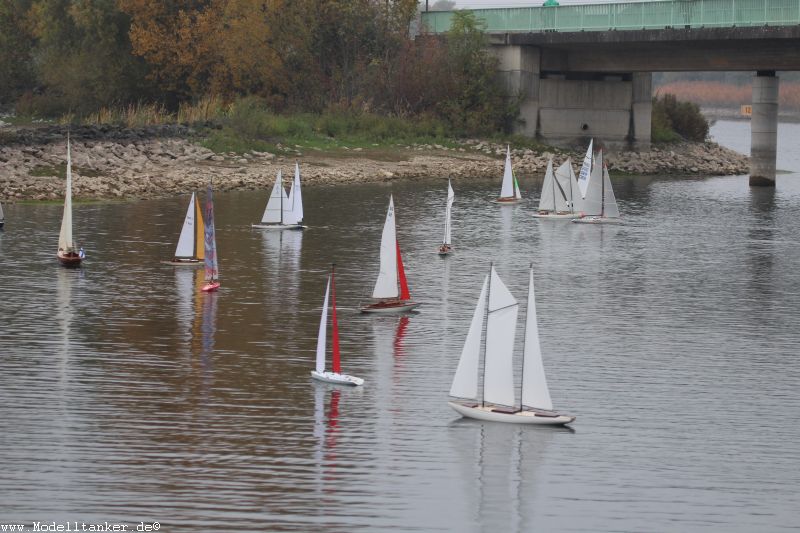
<point>672,119</point>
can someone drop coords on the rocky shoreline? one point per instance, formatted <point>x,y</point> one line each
<point>121,163</point>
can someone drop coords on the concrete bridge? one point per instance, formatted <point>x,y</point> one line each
<point>586,70</point>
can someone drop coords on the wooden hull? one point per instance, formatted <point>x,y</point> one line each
<point>278,226</point>
<point>445,250</point>
<point>597,220</point>
<point>69,259</point>
<point>185,263</point>
<point>390,307</point>
<point>490,413</point>
<point>507,201</point>
<point>210,287</point>
<point>557,216</point>
<point>337,379</point>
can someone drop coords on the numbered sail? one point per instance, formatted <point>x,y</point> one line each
<point>65,241</point>
<point>508,188</point>
<point>447,212</point>
<point>465,382</point>
<point>386,285</point>
<point>273,214</point>
<point>586,169</point>
<point>547,200</point>
<point>610,208</point>
<point>593,199</point>
<point>534,383</point>
<point>212,267</point>
<point>322,335</point>
<point>501,325</point>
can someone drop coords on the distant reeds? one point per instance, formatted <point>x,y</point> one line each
<point>152,114</point>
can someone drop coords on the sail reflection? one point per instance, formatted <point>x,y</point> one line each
<point>282,250</point>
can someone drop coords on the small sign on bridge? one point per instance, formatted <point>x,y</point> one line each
<point>746,110</point>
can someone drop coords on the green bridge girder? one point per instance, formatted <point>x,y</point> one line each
<point>622,16</point>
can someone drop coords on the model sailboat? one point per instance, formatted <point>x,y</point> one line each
<point>191,243</point>
<point>284,212</point>
<point>335,375</point>
<point>2,217</point>
<point>586,169</point>
<point>391,288</point>
<point>212,267</point>
<point>559,192</point>
<point>68,254</point>
<point>498,309</point>
<point>509,190</point>
<point>599,202</point>
<point>447,242</point>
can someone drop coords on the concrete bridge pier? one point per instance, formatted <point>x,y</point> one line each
<point>764,129</point>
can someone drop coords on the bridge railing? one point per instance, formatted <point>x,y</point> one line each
<point>630,16</point>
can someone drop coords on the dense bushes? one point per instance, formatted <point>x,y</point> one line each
<point>673,120</point>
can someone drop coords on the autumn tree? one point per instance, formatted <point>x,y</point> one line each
<point>16,43</point>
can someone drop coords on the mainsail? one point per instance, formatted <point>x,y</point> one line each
<point>501,325</point>
<point>593,197</point>
<point>447,231</point>
<point>386,285</point>
<point>275,210</point>
<point>610,208</point>
<point>190,243</point>
<point>321,336</point>
<point>293,208</point>
<point>586,169</point>
<point>65,242</point>
<point>534,382</point>
<point>565,177</point>
<point>509,189</point>
<point>212,267</point>
<point>547,200</point>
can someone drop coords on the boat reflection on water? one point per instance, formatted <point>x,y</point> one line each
<point>196,317</point>
<point>282,251</point>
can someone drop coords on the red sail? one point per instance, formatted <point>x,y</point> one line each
<point>336,366</point>
<point>401,274</point>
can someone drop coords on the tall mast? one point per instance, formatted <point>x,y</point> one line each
<point>282,192</point>
<point>524,341</point>
<point>603,191</point>
<point>485,328</point>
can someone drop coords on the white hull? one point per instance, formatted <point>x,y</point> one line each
<point>560,216</point>
<point>486,413</point>
<point>403,307</point>
<point>338,379</point>
<point>279,226</point>
<point>597,220</point>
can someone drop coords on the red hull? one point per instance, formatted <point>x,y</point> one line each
<point>210,287</point>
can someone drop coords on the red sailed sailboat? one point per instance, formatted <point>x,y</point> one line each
<point>391,288</point>
<point>335,375</point>
<point>212,266</point>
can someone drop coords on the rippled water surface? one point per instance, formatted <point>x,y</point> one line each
<point>126,395</point>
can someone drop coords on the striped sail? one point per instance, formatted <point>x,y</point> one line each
<point>212,267</point>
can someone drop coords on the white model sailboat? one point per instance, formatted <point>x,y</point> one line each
<point>335,374</point>
<point>67,253</point>
<point>498,309</point>
<point>509,190</point>
<point>284,212</point>
<point>2,217</point>
<point>447,242</point>
<point>211,264</point>
<point>599,203</point>
<point>191,243</point>
<point>559,191</point>
<point>586,169</point>
<point>391,288</point>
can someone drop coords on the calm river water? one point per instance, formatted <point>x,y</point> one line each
<point>127,396</point>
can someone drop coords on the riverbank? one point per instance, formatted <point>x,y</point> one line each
<point>121,163</point>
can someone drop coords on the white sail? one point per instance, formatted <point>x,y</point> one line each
<point>186,240</point>
<point>501,326</point>
<point>610,208</point>
<point>323,331</point>
<point>507,190</point>
<point>565,175</point>
<point>547,200</point>
<point>386,285</point>
<point>593,199</point>
<point>447,212</point>
<point>586,169</point>
<point>2,215</point>
<point>293,208</point>
<point>277,199</point>
<point>65,237</point>
<point>534,382</point>
<point>465,382</point>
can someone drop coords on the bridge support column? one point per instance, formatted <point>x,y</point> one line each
<point>519,69</point>
<point>641,110</point>
<point>764,129</point>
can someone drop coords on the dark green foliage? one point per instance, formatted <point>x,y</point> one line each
<point>673,120</point>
